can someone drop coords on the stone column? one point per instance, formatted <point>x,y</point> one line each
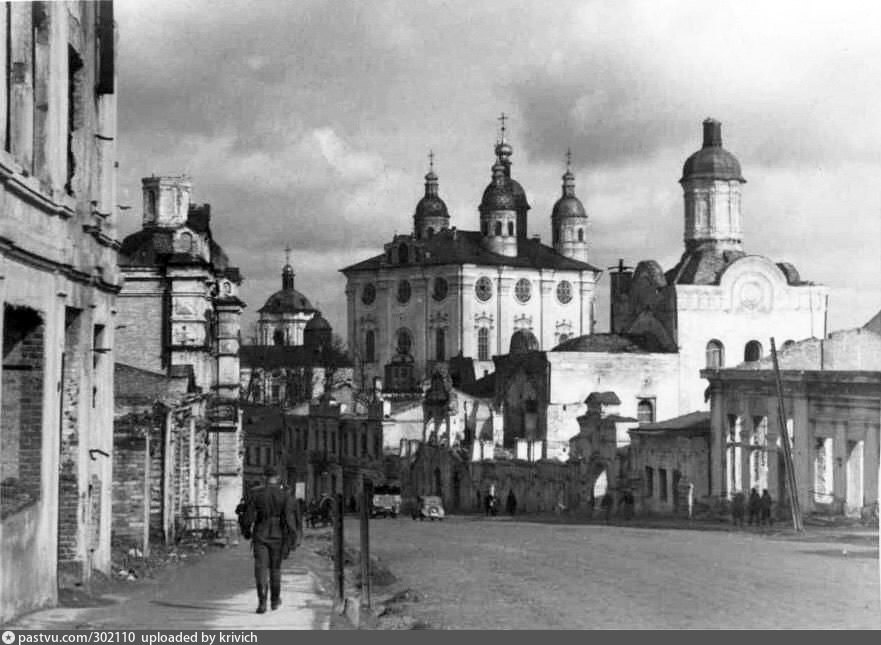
<point>771,448</point>
<point>871,465</point>
<point>839,465</point>
<point>718,440</point>
<point>746,431</point>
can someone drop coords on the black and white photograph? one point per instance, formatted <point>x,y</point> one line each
<point>443,315</point>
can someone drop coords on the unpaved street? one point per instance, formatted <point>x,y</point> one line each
<point>497,574</point>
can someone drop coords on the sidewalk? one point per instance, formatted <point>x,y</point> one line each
<point>217,592</point>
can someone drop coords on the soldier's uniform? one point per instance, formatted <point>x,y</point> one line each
<point>271,523</point>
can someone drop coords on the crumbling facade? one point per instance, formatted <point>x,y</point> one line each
<point>58,285</point>
<point>179,313</point>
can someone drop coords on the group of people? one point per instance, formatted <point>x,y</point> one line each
<point>269,516</point>
<point>757,508</point>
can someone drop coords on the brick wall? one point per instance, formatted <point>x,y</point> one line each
<point>128,475</point>
<point>21,425</point>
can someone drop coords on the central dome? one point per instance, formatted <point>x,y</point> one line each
<point>712,161</point>
<point>287,301</point>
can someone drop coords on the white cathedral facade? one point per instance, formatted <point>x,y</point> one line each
<point>442,292</point>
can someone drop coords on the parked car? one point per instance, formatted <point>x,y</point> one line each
<point>430,506</point>
<point>386,501</point>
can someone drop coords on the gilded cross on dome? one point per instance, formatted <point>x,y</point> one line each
<point>431,160</point>
<point>503,118</point>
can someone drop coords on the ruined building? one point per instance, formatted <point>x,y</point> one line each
<point>179,316</point>
<point>58,285</point>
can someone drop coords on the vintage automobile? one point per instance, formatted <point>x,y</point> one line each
<point>386,501</point>
<point>430,506</point>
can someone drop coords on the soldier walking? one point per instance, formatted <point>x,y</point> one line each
<point>270,522</point>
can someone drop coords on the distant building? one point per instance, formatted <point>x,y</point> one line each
<point>439,292</point>
<point>58,286</point>
<point>179,310</point>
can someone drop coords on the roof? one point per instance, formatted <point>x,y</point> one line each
<point>702,266</point>
<point>712,161</point>
<point>464,247</point>
<point>280,356</point>
<point>613,344</point>
<point>874,324</point>
<point>605,398</point>
<point>286,301</point>
<point>482,388</point>
<point>691,422</point>
<point>261,420</point>
<point>136,386</point>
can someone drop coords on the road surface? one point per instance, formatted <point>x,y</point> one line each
<point>478,573</point>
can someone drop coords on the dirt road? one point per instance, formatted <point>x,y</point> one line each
<point>501,574</point>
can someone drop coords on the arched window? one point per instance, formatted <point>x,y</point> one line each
<point>787,344</point>
<point>440,342</point>
<point>483,344</point>
<point>645,411</point>
<point>278,337</point>
<point>752,351</point>
<point>498,228</point>
<point>715,355</point>
<point>581,235</point>
<point>404,342</point>
<point>510,228</point>
<point>403,254</point>
<point>370,346</point>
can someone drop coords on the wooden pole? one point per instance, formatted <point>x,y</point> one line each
<point>366,496</point>
<point>339,551</point>
<point>787,448</point>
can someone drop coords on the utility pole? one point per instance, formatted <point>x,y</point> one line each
<point>787,448</point>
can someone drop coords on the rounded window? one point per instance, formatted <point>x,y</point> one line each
<point>523,290</point>
<point>404,292</point>
<point>564,292</point>
<point>484,289</point>
<point>441,288</point>
<point>368,294</point>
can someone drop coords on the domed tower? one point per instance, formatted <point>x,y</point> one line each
<point>498,214</point>
<point>569,219</point>
<point>431,213</point>
<point>318,334</point>
<point>521,204</point>
<point>711,181</point>
<point>282,320</point>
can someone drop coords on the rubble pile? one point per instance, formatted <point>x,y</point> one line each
<point>129,563</point>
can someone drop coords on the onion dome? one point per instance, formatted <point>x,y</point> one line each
<point>318,332</point>
<point>318,323</point>
<point>499,195</point>
<point>568,205</point>
<point>431,205</point>
<point>712,161</point>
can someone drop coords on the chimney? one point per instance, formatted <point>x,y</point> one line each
<point>712,133</point>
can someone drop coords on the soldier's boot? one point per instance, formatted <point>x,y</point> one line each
<point>275,587</point>
<point>261,598</point>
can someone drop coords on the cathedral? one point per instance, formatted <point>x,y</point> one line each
<point>441,292</point>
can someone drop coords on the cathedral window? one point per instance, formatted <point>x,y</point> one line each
<point>498,228</point>
<point>715,355</point>
<point>483,344</point>
<point>752,351</point>
<point>440,342</point>
<point>278,337</point>
<point>370,346</point>
<point>440,289</point>
<point>645,411</point>
<point>483,288</point>
<point>404,292</point>
<point>368,294</point>
<point>564,292</point>
<point>581,235</point>
<point>510,228</point>
<point>523,290</point>
<point>404,342</point>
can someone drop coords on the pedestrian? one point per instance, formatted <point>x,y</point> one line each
<point>752,507</point>
<point>765,504</point>
<point>270,524</point>
<point>511,503</point>
<point>606,505</point>
<point>738,504</point>
<point>240,514</point>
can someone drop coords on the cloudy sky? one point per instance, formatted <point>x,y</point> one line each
<point>309,123</point>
